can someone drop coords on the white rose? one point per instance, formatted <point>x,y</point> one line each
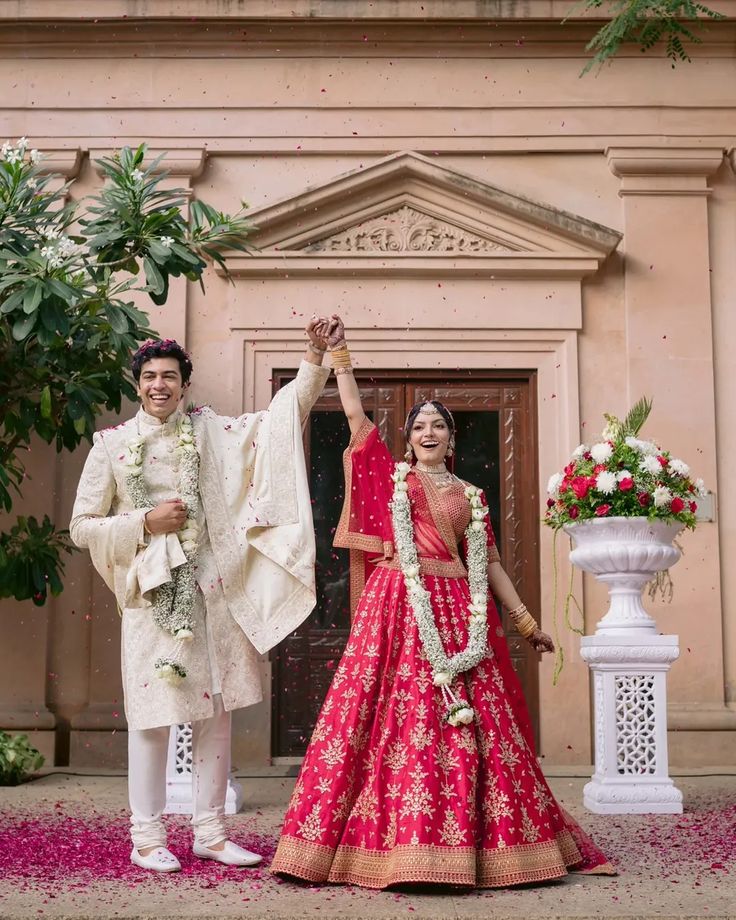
<point>403,468</point>
<point>186,635</point>
<point>401,487</point>
<point>478,514</point>
<point>188,546</point>
<point>470,491</point>
<point>442,678</point>
<point>480,599</point>
<point>411,571</point>
<point>465,716</point>
<point>477,525</point>
<point>601,452</point>
<point>401,497</point>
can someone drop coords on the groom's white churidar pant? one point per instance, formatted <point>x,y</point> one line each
<point>147,753</point>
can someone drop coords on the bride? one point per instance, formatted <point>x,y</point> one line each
<point>422,767</point>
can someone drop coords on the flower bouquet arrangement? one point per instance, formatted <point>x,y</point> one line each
<point>621,475</point>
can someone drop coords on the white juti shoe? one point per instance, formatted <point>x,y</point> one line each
<point>230,855</point>
<point>158,860</point>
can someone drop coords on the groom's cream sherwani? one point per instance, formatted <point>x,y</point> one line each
<point>255,562</point>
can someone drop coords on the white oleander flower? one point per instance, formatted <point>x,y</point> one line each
<point>32,183</point>
<point>35,156</point>
<point>553,485</point>
<point>701,489</point>
<point>5,149</point>
<point>650,464</point>
<point>662,497</point>
<point>606,482</point>
<point>601,452</point>
<point>678,467</point>
<point>578,453</point>
<point>23,144</point>
<point>442,679</point>
<point>166,241</point>
<point>13,156</point>
<point>136,175</point>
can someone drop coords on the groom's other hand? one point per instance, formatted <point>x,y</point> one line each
<point>166,517</point>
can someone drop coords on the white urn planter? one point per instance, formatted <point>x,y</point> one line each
<point>629,661</point>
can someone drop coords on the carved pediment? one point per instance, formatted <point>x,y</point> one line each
<point>405,213</point>
<point>405,230</point>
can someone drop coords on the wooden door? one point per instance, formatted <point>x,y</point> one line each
<point>496,450</point>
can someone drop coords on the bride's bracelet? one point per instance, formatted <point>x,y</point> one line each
<point>524,622</point>
<point>315,349</point>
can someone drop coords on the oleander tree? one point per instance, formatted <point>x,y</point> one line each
<point>68,325</point>
<point>646,23</point>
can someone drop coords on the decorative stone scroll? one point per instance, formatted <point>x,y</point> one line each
<point>406,230</point>
<point>179,775</point>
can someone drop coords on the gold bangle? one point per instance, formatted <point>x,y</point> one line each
<point>315,349</point>
<point>524,622</point>
<point>145,526</point>
<point>341,357</point>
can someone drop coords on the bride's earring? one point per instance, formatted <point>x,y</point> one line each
<point>409,455</point>
<point>451,448</point>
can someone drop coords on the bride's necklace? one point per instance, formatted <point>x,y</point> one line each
<point>441,475</point>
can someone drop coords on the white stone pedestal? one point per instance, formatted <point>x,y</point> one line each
<point>179,776</point>
<point>630,696</point>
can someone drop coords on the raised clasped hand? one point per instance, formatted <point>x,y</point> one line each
<point>167,517</point>
<point>316,329</point>
<point>335,333</point>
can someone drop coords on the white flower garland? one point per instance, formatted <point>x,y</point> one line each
<point>174,601</point>
<point>445,668</point>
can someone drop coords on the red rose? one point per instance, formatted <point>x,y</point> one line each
<point>601,510</point>
<point>580,486</point>
<point>574,512</point>
<point>663,461</point>
<point>677,505</point>
<point>550,502</point>
<point>693,507</point>
<point>644,499</point>
<point>587,455</point>
<point>569,469</point>
<point>626,484</point>
<point>599,467</point>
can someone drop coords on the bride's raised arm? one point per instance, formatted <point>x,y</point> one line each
<point>346,385</point>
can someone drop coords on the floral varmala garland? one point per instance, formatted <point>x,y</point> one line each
<point>174,601</point>
<point>445,669</point>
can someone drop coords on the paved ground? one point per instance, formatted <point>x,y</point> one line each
<point>64,854</point>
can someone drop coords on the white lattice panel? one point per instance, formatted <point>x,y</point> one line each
<point>636,744</point>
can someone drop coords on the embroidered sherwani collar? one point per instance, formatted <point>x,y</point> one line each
<point>145,420</point>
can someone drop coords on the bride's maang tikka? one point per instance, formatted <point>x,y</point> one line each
<point>429,408</point>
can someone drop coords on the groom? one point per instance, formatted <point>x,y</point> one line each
<point>201,526</point>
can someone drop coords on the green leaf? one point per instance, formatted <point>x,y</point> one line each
<point>154,277</point>
<point>15,300</point>
<point>46,402</point>
<point>80,425</point>
<point>117,319</point>
<point>32,297</point>
<point>23,326</point>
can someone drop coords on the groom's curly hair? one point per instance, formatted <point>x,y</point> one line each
<point>161,348</point>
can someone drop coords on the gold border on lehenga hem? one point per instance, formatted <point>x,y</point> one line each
<point>499,868</point>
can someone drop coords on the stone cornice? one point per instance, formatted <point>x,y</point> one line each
<point>186,163</point>
<point>664,170</point>
<point>64,162</point>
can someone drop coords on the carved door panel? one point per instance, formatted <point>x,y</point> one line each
<point>496,449</point>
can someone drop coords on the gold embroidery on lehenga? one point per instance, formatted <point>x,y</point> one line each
<point>529,830</point>
<point>311,828</point>
<point>507,755</point>
<point>445,758</point>
<point>417,799</point>
<point>389,837</point>
<point>496,804</point>
<point>422,679</point>
<point>397,756</point>
<point>366,805</point>
<point>333,753</point>
<point>452,834</point>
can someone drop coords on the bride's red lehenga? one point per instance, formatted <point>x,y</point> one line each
<point>389,792</point>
